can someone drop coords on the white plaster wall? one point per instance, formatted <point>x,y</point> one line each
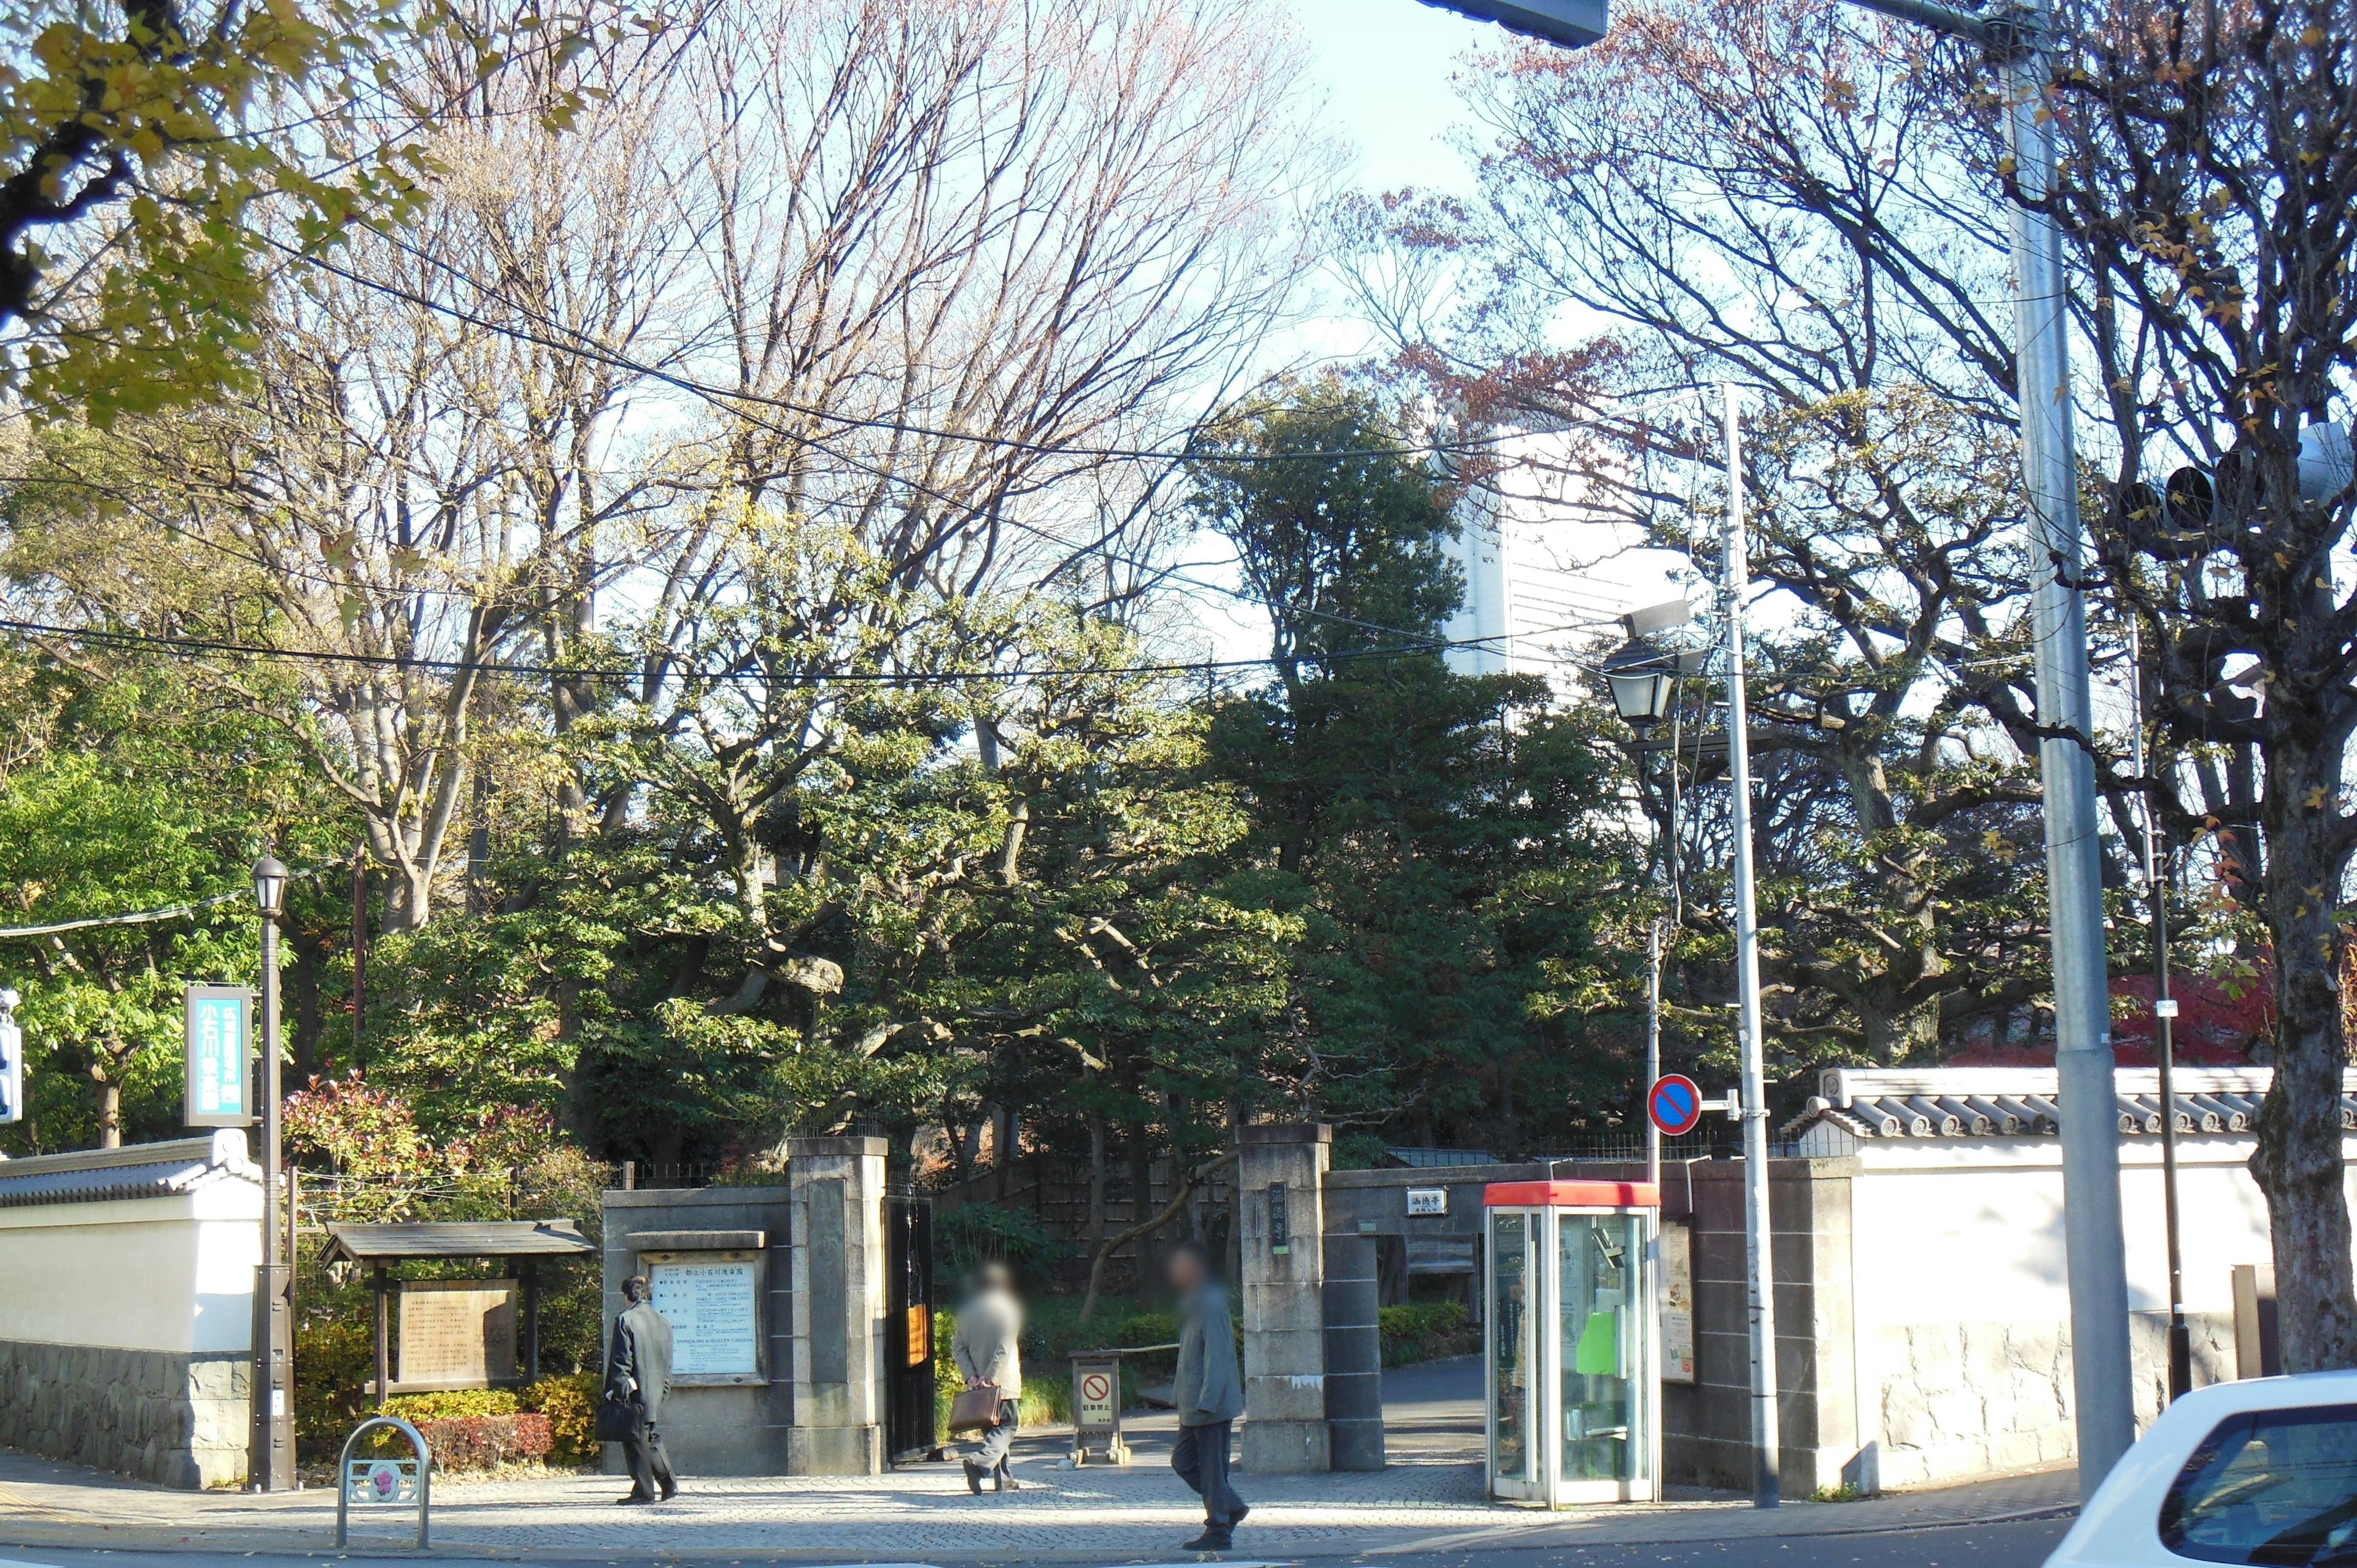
<point>154,1274</point>
<point>1962,1300</point>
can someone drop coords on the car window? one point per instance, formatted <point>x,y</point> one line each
<point>2270,1487</point>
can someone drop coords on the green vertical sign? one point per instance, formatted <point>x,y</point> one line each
<point>221,1051</point>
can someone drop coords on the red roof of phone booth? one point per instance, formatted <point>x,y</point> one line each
<point>1571,1195</point>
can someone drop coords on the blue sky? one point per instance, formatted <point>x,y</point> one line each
<point>1386,65</point>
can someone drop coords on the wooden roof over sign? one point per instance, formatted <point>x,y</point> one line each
<point>465,1239</point>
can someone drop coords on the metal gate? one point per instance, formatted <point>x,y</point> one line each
<point>909,1430</point>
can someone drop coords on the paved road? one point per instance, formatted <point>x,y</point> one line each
<point>1426,1507</point>
<point>2018,1545</point>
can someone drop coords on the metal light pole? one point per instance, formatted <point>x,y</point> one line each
<point>1642,680</point>
<point>2164,1018</point>
<point>270,1463</point>
<point>2019,36</point>
<point>1758,1270</point>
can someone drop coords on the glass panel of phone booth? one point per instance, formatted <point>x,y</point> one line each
<point>1514,1315</point>
<point>1602,1369</point>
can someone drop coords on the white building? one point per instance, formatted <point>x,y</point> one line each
<point>1545,574</point>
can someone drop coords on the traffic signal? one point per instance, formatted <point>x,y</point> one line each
<point>11,1061</point>
<point>1568,23</point>
<point>2188,518</point>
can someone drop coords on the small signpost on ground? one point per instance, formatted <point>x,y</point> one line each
<point>1096,1404</point>
<point>384,1483</point>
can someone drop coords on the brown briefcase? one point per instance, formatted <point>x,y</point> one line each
<point>975,1410</point>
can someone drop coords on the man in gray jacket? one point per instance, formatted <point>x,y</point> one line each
<point>638,1373</point>
<point>1209,1394</point>
<point>988,1349</point>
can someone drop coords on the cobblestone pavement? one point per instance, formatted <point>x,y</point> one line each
<point>1429,1500</point>
<point>925,1513</point>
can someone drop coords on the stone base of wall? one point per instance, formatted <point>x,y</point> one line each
<point>1959,1400</point>
<point>178,1420</point>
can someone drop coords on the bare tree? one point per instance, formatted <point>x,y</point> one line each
<point>963,261</point>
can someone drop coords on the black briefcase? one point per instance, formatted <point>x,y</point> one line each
<point>616,1419</point>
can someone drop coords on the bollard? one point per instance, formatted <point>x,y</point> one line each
<point>1354,1354</point>
<point>378,1483</point>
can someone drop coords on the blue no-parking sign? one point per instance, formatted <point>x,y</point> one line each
<point>1675,1104</point>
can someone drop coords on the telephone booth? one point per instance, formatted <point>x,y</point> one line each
<point>1572,1342</point>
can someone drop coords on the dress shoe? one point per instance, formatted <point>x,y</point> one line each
<point>973,1475</point>
<point>635,1498</point>
<point>1210,1540</point>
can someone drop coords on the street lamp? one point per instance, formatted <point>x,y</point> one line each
<point>1639,675</point>
<point>1569,23</point>
<point>270,1463</point>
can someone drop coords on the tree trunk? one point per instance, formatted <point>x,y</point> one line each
<point>110,1112</point>
<point>1097,1172</point>
<point>2299,1164</point>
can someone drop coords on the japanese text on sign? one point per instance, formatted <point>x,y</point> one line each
<point>714,1312</point>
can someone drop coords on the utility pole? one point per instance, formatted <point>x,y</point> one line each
<point>2018,37</point>
<point>1759,1289</point>
<point>270,1462</point>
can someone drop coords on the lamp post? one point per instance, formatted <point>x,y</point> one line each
<point>1641,679</point>
<point>270,1463</point>
<point>1760,1290</point>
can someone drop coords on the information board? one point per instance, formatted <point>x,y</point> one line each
<point>713,1302</point>
<point>220,1026</point>
<point>1677,1304</point>
<point>456,1334</point>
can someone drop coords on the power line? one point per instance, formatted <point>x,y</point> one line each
<point>196,645</point>
<point>152,917</point>
<point>582,345</point>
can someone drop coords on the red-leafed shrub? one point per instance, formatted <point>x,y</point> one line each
<point>483,1442</point>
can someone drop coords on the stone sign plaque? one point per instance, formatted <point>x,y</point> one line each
<point>456,1334</point>
<point>1677,1304</point>
<point>712,1302</point>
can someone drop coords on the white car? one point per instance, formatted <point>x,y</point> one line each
<point>2261,1474</point>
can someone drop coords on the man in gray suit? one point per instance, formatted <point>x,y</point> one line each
<point>1209,1394</point>
<point>638,1372</point>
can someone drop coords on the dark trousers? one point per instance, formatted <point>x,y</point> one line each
<point>650,1465</point>
<point>1201,1460</point>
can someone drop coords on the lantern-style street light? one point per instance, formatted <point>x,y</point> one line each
<point>1639,674</point>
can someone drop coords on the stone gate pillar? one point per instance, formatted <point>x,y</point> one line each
<point>837,1203</point>
<point>1280,1180</point>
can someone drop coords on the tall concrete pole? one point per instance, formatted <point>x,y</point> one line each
<point>2019,35</point>
<point>2096,1263</point>
<point>1758,1270</point>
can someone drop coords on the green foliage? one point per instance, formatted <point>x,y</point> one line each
<point>1147,1328</point>
<point>447,1403</point>
<point>1425,1331</point>
<point>118,795</point>
<point>570,1402</point>
<point>983,1232</point>
<point>1432,837</point>
<point>161,162</point>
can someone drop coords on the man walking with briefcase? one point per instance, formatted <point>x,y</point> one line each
<point>989,1326</point>
<point>638,1373</point>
